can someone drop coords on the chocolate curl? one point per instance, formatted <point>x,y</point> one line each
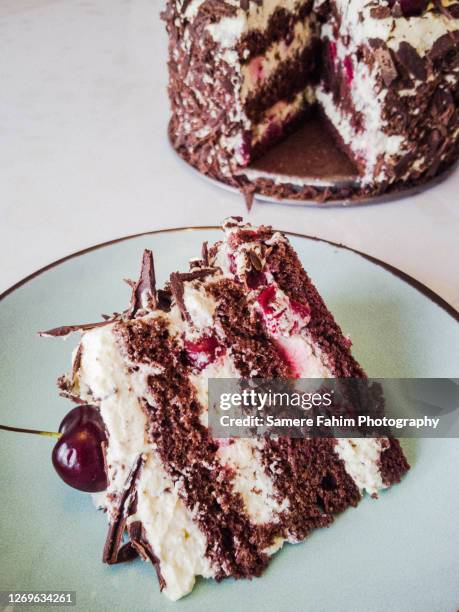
<point>140,543</point>
<point>112,548</point>
<point>205,254</point>
<point>177,290</point>
<point>248,192</point>
<point>144,290</point>
<point>65,330</point>
<point>442,9</point>
<point>176,283</point>
<point>184,6</point>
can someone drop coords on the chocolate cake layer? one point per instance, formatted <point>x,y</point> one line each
<point>290,78</point>
<point>280,26</point>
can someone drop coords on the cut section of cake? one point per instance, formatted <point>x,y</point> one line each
<point>383,74</point>
<point>192,504</point>
<point>239,77</point>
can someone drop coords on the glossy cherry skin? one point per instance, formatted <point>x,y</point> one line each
<point>81,415</point>
<point>77,456</point>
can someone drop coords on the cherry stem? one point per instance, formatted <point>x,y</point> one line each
<point>51,434</point>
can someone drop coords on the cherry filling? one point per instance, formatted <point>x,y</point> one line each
<point>288,360</point>
<point>203,351</point>
<point>349,69</point>
<point>266,298</point>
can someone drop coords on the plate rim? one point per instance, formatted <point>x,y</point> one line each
<point>404,276</point>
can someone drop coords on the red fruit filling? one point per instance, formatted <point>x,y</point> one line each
<point>349,68</point>
<point>202,352</point>
<point>265,299</point>
<point>232,266</point>
<point>287,359</point>
<point>332,48</point>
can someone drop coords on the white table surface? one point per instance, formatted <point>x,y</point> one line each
<point>84,156</point>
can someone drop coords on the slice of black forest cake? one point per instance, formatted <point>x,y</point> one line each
<point>191,504</point>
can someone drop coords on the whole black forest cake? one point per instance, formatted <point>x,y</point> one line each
<point>383,74</point>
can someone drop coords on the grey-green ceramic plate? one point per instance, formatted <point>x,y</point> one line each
<point>399,553</point>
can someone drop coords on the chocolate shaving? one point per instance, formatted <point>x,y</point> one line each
<point>65,330</point>
<point>248,191</point>
<point>127,552</point>
<point>255,261</point>
<point>195,274</point>
<point>77,362</point>
<point>118,524</point>
<point>380,12</point>
<point>184,6</point>
<point>176,282</point>
<point>388,69</point>
<point>442,46</point>
<point>412,61</point>
<point>144,290</point>
<point>140,543</point>
<point>73,398</point>
<point>205,254</point>
<point>443,10</point>
<point>177,292</point>
<point>195,264</point>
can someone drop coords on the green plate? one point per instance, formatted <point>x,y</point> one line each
<point>398,553</point>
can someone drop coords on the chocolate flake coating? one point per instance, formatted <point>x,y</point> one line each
<point>118,524</point>
<point>144,290</point>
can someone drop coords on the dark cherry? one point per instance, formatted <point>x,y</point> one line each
<point>80,415</point>
<point>78,457</point>
<point>411,8</point>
